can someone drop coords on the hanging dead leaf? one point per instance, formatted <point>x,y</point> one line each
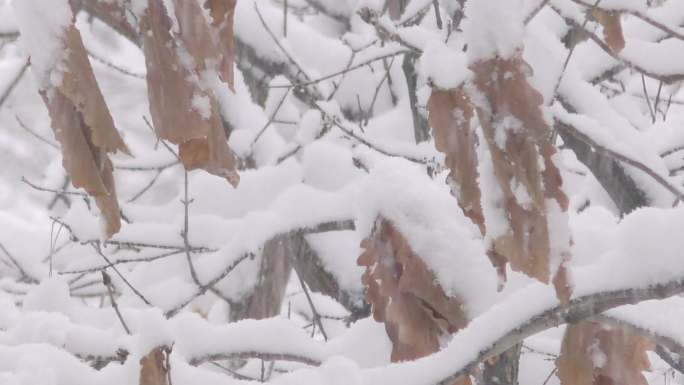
<point>153,370</point>
<point>405,296</point>
<point>450,114</point>
<point>222,13</point>
<point>519,144</point>
<point>84,128</point>
<point>592,353</point>
<point>612,28</point>
<point>183,111</point>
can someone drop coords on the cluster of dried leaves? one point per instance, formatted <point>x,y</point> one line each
<point>519,145</point>
<point>405,296</point>
<point>184,109</point>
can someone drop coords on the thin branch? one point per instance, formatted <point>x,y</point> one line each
<point>233,373</point>
<point>45,189</point>
<point>316,316</point>
<point>186,229</point>
<point>344,71</point>
<point>280,46</point>
<point>115,67</point>
<point>122,262</point>
<point>648,98</point>
<point>572,50</point>
<point>35,134</point>
<point>438,14</point>
<point>371,17</point>
<point>24,275</point>
<point>624,159</point>
<point>108,283</point>
<point>145,188</point>
<point>578,309</point>
<point>130,286</point>
<point>623,60</point>
<point>535,11</point>
<point>5,95</point>
<point>350,132</point>
<point>646,18</point>
<point>252,354</point>
<point>271,118</point>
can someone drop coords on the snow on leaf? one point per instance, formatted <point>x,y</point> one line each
<point>450,114</point>
<point>405,296</point>
<point>79,115</point>
<point>522,155</point>
<point>592,353</point>
<point>612,28</point>
<point>153,370</point>
<point>173,76</point>
<point>222,13</point>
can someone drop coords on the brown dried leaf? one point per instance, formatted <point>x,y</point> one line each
<point>80,86</point>
<point>222,13</point>
<point>182,111</point>
<point>521,151</point>
<point>85,129</point>
<point>449,116</point>
<point>612,28</point>
<point>450,113</point>
<point>592,353</point>
<point>153,370</point>
<point>405,296</point>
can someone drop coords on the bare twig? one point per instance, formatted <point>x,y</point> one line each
<point>279,44</point>
<point>24,275</point>
<point>624,159</point>
<point>96,246</point>
<point>122,262</point>
<point>252,354</point>
<point>5,95</point>
<point>271,118</point>
<point>344,71</point>
<point>535,11</point>
<point>314,313</point>
<point>107,281</point>
<point>35,134</point>
<point>186,229</point>
<point>623,60</point>
<point>646,18</point>
<point>648,99</point>
<point>572,50</point>
<point>115,67</point>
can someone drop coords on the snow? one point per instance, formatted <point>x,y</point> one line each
<point>44,44</point>
<point>493,28</point>
<point>434,226</point>
<point>444,66</point>
<point>54,321</point>
<point>202,105</point>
